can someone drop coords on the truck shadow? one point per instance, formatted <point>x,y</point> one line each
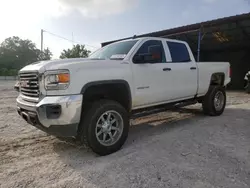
<point>170,123</point>
<point>75,155</point>
<point>147,142</point>
<point>162,122</point>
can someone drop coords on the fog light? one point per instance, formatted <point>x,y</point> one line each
<point>53,111</point>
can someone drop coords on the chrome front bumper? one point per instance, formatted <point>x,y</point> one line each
<point>37,114</point>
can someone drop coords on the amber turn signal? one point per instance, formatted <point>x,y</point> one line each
<point>63,78</point>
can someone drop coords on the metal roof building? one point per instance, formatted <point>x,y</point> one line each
<point>224,39</point>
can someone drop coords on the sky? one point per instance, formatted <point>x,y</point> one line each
<point>91,22</point>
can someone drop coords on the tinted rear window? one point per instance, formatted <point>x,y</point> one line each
<point>179,52</point>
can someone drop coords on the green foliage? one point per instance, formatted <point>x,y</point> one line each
<point>12,72</point>
<point>16,53</point>
<point>8,72</point>
<point>3,71</point>
<point>45,55</point>
<point>75,52</point>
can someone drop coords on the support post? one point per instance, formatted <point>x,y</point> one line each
<point>199,46</point>
<point>41,40</point>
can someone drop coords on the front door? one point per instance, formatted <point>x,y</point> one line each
<point>151,78</point>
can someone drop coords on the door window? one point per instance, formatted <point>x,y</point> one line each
<point>151,51</point>
<point>178,51</point>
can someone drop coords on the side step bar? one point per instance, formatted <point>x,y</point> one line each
<point>161,108</point>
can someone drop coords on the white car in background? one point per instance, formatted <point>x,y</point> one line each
<point>16,86</point>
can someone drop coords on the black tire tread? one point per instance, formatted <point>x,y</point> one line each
<point>87,118</point>
<point>207,103</point>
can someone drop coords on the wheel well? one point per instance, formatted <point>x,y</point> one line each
<point>118,92</point>
<point>217,79</point>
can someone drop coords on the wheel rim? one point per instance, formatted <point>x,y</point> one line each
<point>109,128</point>
<point>219,100</point>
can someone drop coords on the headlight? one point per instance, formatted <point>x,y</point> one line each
<point>56,80</point>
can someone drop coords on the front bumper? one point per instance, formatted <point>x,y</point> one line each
<point>62,123</point>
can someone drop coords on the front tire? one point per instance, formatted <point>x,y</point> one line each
<point>214,101</point>
<point>104,127</point>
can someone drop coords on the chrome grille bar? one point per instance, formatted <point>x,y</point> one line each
<point>29,85</point>
<point>30,90</point>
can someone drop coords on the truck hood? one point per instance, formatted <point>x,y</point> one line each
<point>42,66</point>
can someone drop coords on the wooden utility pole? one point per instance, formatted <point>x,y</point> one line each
<point>42,39</point>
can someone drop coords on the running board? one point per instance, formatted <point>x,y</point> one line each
<point>161,108</point>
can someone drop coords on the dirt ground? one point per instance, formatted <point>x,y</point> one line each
<point>179,148</point>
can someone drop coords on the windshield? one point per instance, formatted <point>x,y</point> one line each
<point>114,51</point>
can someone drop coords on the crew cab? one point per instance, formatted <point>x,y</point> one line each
<point>92,99</point>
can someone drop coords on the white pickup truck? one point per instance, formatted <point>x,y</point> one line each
<point>93,99</point>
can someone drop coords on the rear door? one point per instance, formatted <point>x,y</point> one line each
<point>184,70</point>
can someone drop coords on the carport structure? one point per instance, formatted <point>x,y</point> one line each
<point>224,39</point>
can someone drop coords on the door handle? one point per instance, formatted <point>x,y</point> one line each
<point>193,68</point>
<point>166,69</point>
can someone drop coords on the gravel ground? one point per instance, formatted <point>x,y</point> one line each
<point>172,149</point>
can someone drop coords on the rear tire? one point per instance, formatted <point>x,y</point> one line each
<point>104,127</point>
<point>214,101</point>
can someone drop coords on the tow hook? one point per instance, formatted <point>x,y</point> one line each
<point>26,117</point>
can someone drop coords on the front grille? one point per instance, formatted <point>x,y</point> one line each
<point>29,84</point>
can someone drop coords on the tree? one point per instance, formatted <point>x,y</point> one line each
<point>3,71</point>
<point>45,55</point>
<point>16,53</point>
<point>76,51</point>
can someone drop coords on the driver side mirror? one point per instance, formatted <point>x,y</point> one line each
<point>138,59</point>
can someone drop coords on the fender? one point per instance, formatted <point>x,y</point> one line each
<point>101,82</point>
<point>220,74</point>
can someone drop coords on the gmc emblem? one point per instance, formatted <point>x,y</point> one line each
<point>24,83</point>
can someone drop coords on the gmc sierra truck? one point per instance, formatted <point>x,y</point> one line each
<point>92,99</point>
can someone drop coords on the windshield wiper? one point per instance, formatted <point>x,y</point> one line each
<point>97,58</point>
<point>116,58</point>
